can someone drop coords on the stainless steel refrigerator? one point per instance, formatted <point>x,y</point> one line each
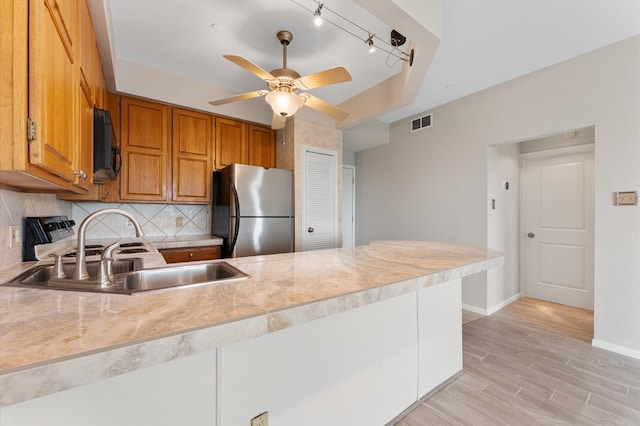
<point>253,210</point>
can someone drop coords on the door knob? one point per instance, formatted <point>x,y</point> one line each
<point>310,229</point>
<point>531,235</point>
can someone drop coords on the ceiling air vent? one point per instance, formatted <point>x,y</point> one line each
<point>421,122</point>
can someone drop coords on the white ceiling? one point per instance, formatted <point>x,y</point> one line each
<point>483,42</point>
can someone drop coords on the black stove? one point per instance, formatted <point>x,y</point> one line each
<point>96,249</point>
<point>44,230</point>
<point>133,244</point>
<point>49,229</point>
<point>134,250</point>
<point>89,250</point>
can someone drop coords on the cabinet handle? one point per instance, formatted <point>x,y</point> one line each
<point>310,229</point>
<point>190,255</point>
<point>81,174</point>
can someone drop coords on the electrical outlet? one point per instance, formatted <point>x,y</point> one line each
<point>179,221</point>
<point>261,419</point>
<point>127,223</point>
<point>14,236</point>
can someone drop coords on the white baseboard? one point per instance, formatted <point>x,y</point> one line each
<point>622,350</point>
<point>504,303</point>
<point>493,309</point>
<point>474,309</point>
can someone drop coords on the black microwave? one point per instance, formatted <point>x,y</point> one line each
<point>107,160</point>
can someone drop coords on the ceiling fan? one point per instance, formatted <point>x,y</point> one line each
<point>284,83</point>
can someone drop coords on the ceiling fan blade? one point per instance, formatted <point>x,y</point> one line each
<point>323,78</point>
<point>241,97</point>
<point>250,66</point>
<point>325,107</point>
<point>278,122</point>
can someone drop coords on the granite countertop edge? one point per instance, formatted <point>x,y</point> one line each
<point>29,381</point>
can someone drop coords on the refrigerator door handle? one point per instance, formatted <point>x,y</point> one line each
<point>236,201</point>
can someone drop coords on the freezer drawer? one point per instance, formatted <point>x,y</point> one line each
<point>260,235</point>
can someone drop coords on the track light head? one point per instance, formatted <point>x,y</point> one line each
<point>317,15</point>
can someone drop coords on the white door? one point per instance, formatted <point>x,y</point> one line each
<point>319,199</point>
<point>348,205</point>
<point>558,222</point>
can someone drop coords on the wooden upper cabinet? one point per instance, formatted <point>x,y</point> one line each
<point>86,78</point>
<point>262,147</point>
<point>84,146</point>
<point>88,49</point>
<point>231,142</point>
<point>144,132</point>
<point>53,87</point>
<point>192,155</point>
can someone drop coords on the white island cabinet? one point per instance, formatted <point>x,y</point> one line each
<point>339,337</point>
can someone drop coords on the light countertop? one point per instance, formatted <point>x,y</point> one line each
<point>54,340</point>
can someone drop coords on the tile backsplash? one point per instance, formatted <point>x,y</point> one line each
<point>16,205</point>
<point>157,220</point>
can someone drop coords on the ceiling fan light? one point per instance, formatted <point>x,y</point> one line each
<point>284,103</point>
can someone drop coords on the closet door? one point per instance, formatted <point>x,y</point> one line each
<point>319,199</point>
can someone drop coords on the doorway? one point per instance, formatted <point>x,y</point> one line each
<point>557,225</point>
<point>348,205</point>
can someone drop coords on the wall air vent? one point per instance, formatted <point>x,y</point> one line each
<point>421,122</point>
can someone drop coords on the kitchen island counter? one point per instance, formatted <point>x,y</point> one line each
<point>55,340</point>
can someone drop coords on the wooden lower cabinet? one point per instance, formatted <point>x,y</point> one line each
<point>190,254</point>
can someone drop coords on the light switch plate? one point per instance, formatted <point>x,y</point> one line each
<point>261,419</point>
<point>14,236</point>
<point>627,198</point>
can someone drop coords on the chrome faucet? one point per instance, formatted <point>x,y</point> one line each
<point>80,271</point>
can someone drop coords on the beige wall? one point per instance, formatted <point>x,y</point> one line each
<point>299,133</point>
<point>432,184</point>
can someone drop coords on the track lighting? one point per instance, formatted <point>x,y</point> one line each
<point>369,41</point>
<point>359,32</point>
<point>317,15</point>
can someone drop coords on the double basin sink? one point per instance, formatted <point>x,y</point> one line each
<point>129,277</point>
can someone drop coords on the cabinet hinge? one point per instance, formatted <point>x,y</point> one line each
<point>31,130</point>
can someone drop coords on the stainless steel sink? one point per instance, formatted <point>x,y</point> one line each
<point>130,278</point>
<point>40,276</point>
<point>180,276</point>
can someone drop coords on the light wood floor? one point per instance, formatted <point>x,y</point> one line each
<point>532,363</point>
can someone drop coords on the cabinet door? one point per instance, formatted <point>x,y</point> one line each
<point>88,49</point>
<point>144,129</point>
<point>262,147</point>
<point>231,142</point>
<point>53,85</point>
<point>84,146</point>
<point>192,156</point>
